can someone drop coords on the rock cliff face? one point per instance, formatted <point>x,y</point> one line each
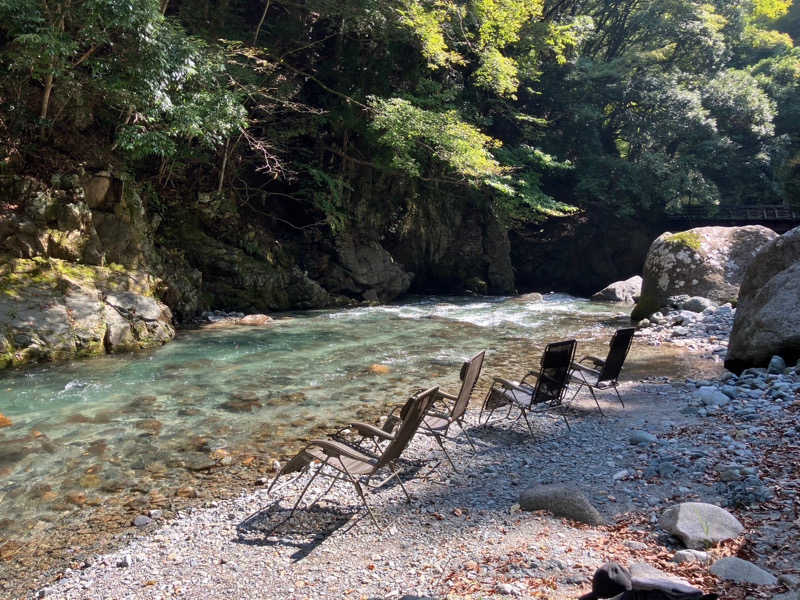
<point>768,314</point>
<point>579,254</point>
<point>706,261</point>
<point>51,309</point>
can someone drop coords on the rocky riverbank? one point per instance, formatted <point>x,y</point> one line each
<point>728,442</point>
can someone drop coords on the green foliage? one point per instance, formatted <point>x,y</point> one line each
<point>125,57</point>
<point>416,135</point>
<point>520,198</point>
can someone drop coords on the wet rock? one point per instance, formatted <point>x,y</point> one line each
<point>241,404</point>
<point>742,571</point>
<point>76,498</point>
<point>562,501</point>
<point>699,525</point>
<point>621,291</point>
<point>255,320</point>
<point>186,492</point>
<point>152,426</point>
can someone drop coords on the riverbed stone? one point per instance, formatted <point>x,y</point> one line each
<point>639,437</point>
<point>735,569</point>
<point>698,304</point>
<point>712,396</point>
<point>706,261</point>
<point>562,501</point>
<point>700,525</point>
<point>776,365</point>
<point>691,556</point>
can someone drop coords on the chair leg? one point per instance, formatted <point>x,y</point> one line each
<point>595,401</point>
<point>299,499</point>
<point>447,455</point>
<point>614,385</point>
<point>580,387</point>
<point>469,438</point>
<point>400,481</point>
<point>360,492</point>
<point>527,422</point>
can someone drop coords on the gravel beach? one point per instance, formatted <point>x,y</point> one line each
<point>464,535</point>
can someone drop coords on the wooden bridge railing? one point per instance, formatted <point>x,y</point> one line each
<point>740,213</point>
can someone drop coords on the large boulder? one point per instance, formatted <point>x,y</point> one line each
<point>699,525</point>
<point>706,261</point>
<point>52,309</point>
<point>767,319</point>
<point>627,291</point>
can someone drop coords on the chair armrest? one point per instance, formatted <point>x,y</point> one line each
<point>598,362</point>
<point>585,369</point>
<point>368,430</point>
<point>534,374</point>
<point>448,396</point>
<point>337,450</point>
<point>506,383</point>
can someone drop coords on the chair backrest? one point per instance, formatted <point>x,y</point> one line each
<point>617,351</point>
<point>554,372</point>
<point>414,411</point>
<point>469,377</point>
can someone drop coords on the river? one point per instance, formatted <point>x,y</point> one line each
<point>94,442</point>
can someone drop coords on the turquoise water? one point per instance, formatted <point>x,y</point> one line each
<point>88,431</point>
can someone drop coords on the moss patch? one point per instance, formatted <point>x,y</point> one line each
<point>687,239</point>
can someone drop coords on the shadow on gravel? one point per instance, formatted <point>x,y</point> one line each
<point>307,529</point>
<point>310,526</point>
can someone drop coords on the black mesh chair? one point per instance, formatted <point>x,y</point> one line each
<point>538,390</point>
<point>605,373</point>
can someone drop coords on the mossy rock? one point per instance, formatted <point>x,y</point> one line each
<point>707,261</point>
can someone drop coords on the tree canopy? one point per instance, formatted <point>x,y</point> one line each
<point>536,108</point>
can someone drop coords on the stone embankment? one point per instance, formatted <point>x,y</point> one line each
<point>727,444</point>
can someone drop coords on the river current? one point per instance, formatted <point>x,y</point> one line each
<point>95,433</point>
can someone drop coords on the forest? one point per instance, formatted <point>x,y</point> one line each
<point>314,118</point>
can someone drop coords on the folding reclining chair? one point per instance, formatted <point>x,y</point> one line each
<point>442,415</point>
<point>341,462</point>
<point>546,393</point>
<point>606,372</point>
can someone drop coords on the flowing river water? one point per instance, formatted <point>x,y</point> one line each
<point>93,443</point>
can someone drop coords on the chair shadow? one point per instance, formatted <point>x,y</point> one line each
<point>309,527</point>
<point>306,530</point>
